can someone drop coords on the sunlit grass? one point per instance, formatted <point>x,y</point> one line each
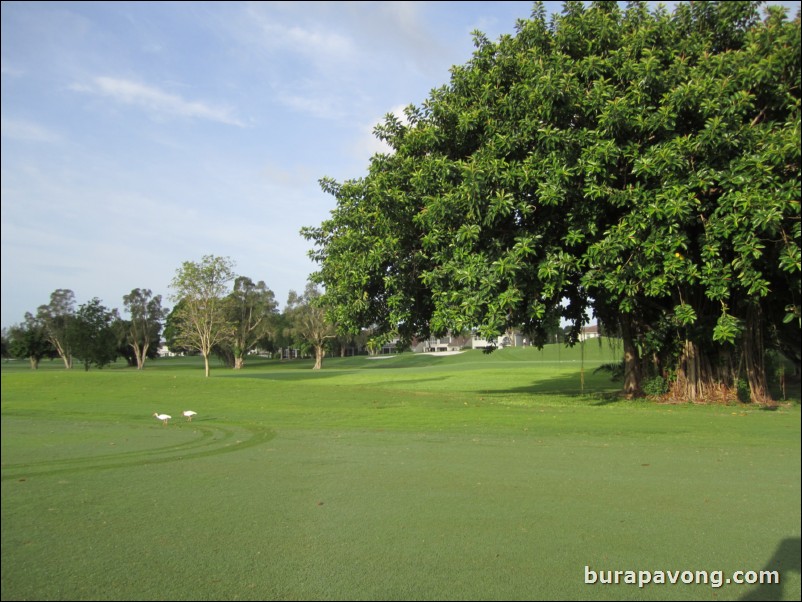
<point>415,477</point>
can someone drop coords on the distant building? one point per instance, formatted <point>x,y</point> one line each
<point>390,347</point>
<point>510,339</point>
<point>439,344</point>
<point>589,332</point>
<point>164,351</point>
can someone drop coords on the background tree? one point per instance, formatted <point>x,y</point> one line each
<point>171,331</point>
<point>309,321</point>
<point>92,335</point>
<point>56,317</point>
<point>124,349</point>
<point>641,165</point>
<point>251,309</point>
<point>30,340</point>
<point>282,338</point>
<point>199,318</point>
<point>145,324</point>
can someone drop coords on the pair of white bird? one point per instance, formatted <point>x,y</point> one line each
<point>188,414</point>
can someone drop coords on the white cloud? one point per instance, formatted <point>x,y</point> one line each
<point>368,144</point>
<point>6,69</point>
<point>28,131</point>
<point>318,44</point>
<point>320,106</point>
<point>156,101</point>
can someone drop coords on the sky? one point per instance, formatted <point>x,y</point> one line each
<point>137,136</point>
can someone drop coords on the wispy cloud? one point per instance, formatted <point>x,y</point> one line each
<point>28,131</point>
<point>315,104</point>
<point>317,43</point>
<point>6,69</point>
<point>157,101</point>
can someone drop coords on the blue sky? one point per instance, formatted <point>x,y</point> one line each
<point>137,136</point>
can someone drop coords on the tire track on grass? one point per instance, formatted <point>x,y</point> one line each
<point>213,440</point>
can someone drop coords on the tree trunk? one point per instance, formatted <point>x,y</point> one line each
<point>34,363</point>
<point>632,371</point>
<point>66,358</point>
<point>319,353</point>
<point>206,363</point>
<point>687,386</point>
<point>239,362</point>
<point>754,357</point>
<point>139,355</point>
<point>696,381</point>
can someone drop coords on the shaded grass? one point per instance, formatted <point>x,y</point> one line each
<point>460,477</point>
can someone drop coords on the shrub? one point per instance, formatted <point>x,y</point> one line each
<point>743,391</point>
<point>655,386</point>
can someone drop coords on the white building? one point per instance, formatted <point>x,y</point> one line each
<point>589,332</point>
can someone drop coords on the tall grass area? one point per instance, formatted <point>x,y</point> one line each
<point>468,476</point>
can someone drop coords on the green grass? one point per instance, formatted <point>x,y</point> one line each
<point>414,477</point>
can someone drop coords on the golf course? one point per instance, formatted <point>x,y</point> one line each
<point>516,475</point>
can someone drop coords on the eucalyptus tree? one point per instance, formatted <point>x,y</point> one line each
<point>145,324</point>
<point>251,310</point>
<point>640,164</point>
<point>308,321</point>
<point>199,317</point>
<point>57,317</point>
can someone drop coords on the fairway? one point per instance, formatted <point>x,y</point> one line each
<point>470,476</point>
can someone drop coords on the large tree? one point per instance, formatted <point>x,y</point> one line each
<point>308,321</point>
<point>57,317</point>
<point>145,324</point>
<point>199,318</point>
<point>92,334</point>
<point>30,340</point>
<point>640,164</point>
<point>251,309</point>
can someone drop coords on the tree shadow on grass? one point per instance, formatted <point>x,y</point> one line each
<point>600,389</point>
<point>786,560</point>
<point>301,369</point>
<point>295,375</point>
<point>407,360</point>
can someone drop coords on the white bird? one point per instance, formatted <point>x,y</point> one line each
<point>163,417</point>
<point>189,414</point>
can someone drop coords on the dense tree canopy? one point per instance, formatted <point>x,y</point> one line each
<point>29,340</point>
<point>641,165</point>
<point>251,308</point>
<point>92,336</point>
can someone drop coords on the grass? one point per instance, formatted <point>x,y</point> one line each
<point>413,477</point>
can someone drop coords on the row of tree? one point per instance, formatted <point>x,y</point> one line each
<point>216,312</point>
<point>92,333</point>
<point>209,319</point>
<point>640,166</point>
